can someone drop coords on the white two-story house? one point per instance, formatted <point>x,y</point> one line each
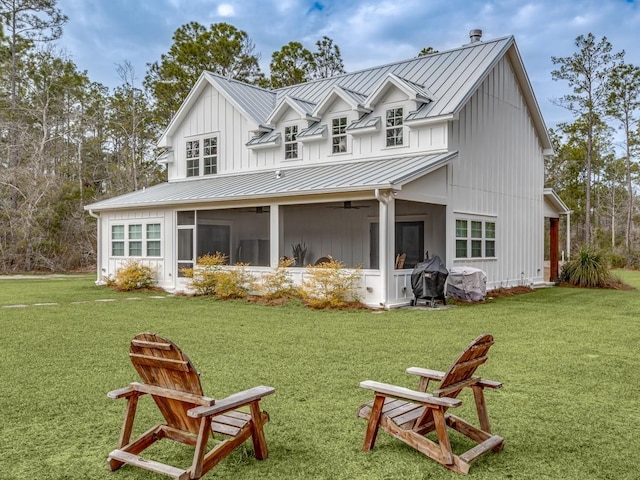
<point>437,155</point>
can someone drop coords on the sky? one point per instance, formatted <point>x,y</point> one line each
<point>102,34</point>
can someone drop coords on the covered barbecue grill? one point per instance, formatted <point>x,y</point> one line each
<point>428,279</point>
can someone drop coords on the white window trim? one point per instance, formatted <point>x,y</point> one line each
<point>345,134</point>
<point>475,218</point>
<point>294,142</point>
<point>201,139</point>
<point>144,239</point>
<point>401,127</point>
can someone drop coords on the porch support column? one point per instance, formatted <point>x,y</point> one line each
<point>276,229</point>
<point>387,214</point>
<point>553,249</point>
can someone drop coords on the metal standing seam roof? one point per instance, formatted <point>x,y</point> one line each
<point>450,76</point>
<point>314,130</point>
<point>447,78</point>
<point>308,180</point>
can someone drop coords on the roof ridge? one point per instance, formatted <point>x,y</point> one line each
<point>240,82</point>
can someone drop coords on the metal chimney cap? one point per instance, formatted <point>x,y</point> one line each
<point>475,35</point>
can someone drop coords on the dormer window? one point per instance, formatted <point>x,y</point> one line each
<point>339,135</point>
<point>394,127</point>
<point>291,142</point>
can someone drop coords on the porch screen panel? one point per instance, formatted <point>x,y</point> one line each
<point>410,241</point>
<point>213,238</point>
<point>185,249</point>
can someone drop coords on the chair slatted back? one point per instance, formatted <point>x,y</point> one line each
<point>161,363</point>
<point>467,363</point>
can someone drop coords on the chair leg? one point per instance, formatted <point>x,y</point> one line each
<point>127,427</point>
<point>257,434</point>
<point>374,423</point>
<point>443,436</point>
<point>481,406</point>
<point>201,447</point>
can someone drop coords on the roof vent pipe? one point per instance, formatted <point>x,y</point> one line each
<point>475,35</point>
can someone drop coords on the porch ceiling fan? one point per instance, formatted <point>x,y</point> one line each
<point>347,205</point>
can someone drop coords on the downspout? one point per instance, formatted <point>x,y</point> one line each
<point>98,246</point>
<point>383,251</point>
<point>568,236</point>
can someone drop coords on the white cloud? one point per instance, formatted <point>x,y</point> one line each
<point>226,10</point>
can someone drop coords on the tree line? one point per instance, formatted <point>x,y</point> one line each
<point>594,168</point>
<point>67,141</point>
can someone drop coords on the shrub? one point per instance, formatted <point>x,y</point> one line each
<point>232,283</point>
<point>616,260</point>
<point>329,285</point>
<point>210,278</point>
<point>588,269</point>
<point>133,276</point>
<point>278,283</point>
<point>633,260</point>
<point>204,278</point>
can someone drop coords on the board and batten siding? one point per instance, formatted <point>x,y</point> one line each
<point>164,264</point>
<point>213,114</point>
<point>499,174</point>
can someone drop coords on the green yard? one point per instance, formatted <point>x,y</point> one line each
<point>568,359</point>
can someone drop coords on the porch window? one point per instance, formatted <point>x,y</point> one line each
<point>394,127</point>
<point>291,142</point>
<point>193,158</point>
<point>153,240</point>
<point>339,135</point>
<point>136,240</point>
<point>117,240</point>
<point>475,238</point>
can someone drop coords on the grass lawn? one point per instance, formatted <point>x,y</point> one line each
<point>568,358</point>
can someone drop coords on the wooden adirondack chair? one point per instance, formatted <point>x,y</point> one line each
<point>174,384</point>
<point>409,415</point>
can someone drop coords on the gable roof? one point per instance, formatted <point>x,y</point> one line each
<point>301,107</point>
<point>413,91</point>
<point>326,178</point>
<point>448,79</point>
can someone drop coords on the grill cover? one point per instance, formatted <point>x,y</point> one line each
<point>428,278</point>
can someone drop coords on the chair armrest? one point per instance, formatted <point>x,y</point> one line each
<point>232,402</point>
<point>489,383</point>
<point>407,394</point>
<point>121,393</point>
<point>425,372</point>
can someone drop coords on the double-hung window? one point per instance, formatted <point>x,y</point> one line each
<point>394,127</point>
<point>193,158</point>
<point>136,240</point>
<point>339,135</point>
<point>210,155</point>
<point>202,156</point>
<point>291,142</point>
<point>475,238</point>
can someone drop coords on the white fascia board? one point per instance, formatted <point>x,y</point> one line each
<point>430,120</point>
